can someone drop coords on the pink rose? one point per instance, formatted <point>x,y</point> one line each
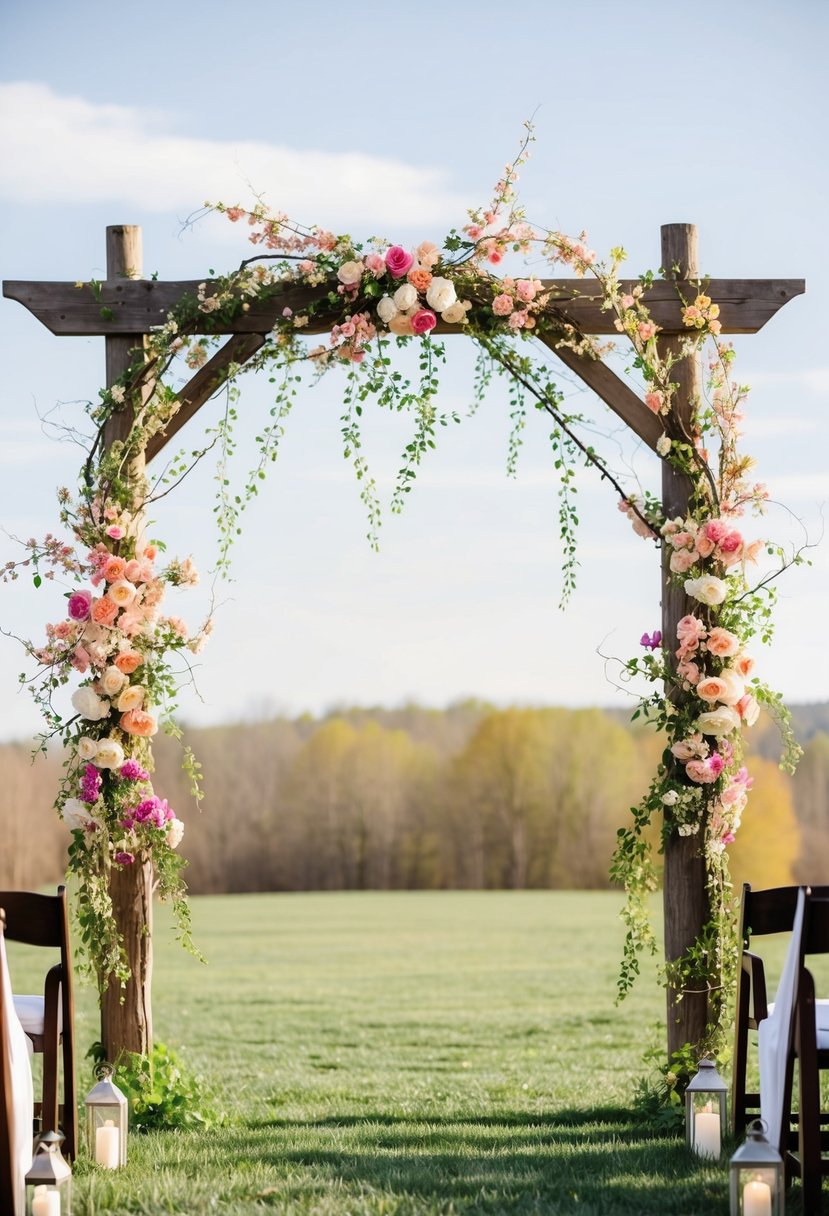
<point>423,321</point>
<point>732,542</point>
<point>654,402</point>
<point>113,569</point>
<point>647,330</point>
<point>502,305</point>
<point>116,532</point>
<point>705,547</point>
<point>682,561</point>
<point>689,749</point>
<point>527,289</point>
<point>700,771</point>
<point>398,261</point>
<point>687,671</point>
<point>715,530</point>
<point>375,263</point>
<point>79,605</point>
<point>690,630</point>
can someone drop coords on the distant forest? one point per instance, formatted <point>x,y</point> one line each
<point>467,797</point>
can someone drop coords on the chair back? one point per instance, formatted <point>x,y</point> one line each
<point>36,920</point>
<point>8,1198</point>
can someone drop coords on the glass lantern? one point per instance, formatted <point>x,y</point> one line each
<point>106,1122</point>
<point>705,1110</point>
<point>758,1180</point>
<point>49,1181</point>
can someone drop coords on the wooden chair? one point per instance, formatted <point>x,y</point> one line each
<point>15,1096</point>
<point>810,1054</point>
<point>43,920</point>
<point>7,1188</point>
<point>762,913</point>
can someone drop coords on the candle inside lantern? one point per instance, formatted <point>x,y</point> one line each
<point>756,1199</point>
<point>46,1202</point>
<point>707,1142</point>
<point>107,1146</point>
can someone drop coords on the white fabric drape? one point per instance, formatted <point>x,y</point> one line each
<point>774,1034</point>
<point>18,1067</point>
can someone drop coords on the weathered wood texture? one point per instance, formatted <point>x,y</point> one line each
<point>204,384</point>
<point>745,305</point>
<point>126,1015</point>
<point>685,896</point>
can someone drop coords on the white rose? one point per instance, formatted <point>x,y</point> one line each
<point>707,589</point>
<point>455,314</point>
<point>441,294</point>
<point>350,273</point>
<point>734,687</point>
<point>720,721</point>
<point>663,445</point>
<point>122,592</point>
<point>386,309</point>
<point>87,747</point>
<point>89,705</point>
<point>175,831</point>
<point>112,681</point>
<point>131,698</point>
<point>75,814</point>
<point>670,798</point>
<point>405,297</point>
<point>110,754</point>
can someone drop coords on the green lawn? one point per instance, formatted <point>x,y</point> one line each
<point>405,1053</point>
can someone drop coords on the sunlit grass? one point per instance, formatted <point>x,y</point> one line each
<point>405,1053</point>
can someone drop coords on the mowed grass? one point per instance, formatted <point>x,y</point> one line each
<point>405,1053</point>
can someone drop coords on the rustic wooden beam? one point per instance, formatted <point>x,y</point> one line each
<point>204,384</point>
<point>124,307</point>
<point>613,391</point>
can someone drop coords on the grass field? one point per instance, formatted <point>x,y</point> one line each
<point>404,1053</point>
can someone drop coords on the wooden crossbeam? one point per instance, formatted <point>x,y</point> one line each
<point>138,306</point>
<point>613,391</point>
<point>204,384</point>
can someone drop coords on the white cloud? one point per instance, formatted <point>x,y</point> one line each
<point>816,379</point>
<point>69,150</point>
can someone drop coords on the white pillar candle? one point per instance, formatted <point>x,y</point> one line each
<point>707,1134</point>
<point>45,1202</point>
<point>107,1146</point>
<point>756,1199</point>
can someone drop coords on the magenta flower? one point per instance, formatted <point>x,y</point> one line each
<point>124,859</point>
<point>651,642</point>
<point>79,605</point>
<point>131,770</point>
<point>398,261</point>
<point>90,784</point>
<point>423,321</point>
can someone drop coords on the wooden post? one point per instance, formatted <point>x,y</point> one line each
<point>126,1014</point>
<point>685,896</point>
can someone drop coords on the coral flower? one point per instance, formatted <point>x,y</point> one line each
<point>138,722</point>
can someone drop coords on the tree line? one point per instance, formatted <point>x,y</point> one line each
<point>468,797</point>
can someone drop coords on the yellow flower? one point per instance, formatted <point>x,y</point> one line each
<point>703,301</point>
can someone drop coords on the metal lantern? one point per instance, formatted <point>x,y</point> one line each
<point>49,1181</point>
<point>758,1180</point>
<point>705,1110</point>
<point>106,1122</point>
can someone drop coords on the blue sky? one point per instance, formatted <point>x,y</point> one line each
<point>380,118</point>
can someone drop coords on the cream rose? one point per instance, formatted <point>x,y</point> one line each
<point>707,589</point>
<point>405,297</point>
<point>175,831</point>
<point>75,814</point>
<point>455,314</point>
<point>110,754</point>
<point>734,687</point>
<point>89,705</point>
<point>350,273</point>
<point>112,681</point>
<point>122,592</point>
<point>87,747</point>
<point>131,698</point>
<point>441,294</point>
<point>387,309</point>
<point>720,721</point>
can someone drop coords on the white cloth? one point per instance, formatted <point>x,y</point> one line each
<point>31,1010</point>
<point>19,1069</point>
<point>774,1034</point>
<point>821,1023</point>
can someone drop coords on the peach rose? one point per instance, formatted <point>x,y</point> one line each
<point>114,569</point>
<point>723,643</point>
<point>705,547</point>
<point>420,279</point>
<point>128,660</point>
<point>735,686</point>
<point>682,561</point>
<point>103,611</point>
<point>131,698</point>
<point>137,722</point>
<point>712,689</point>
<point>121,592</point>
<point>743,665</point>
<point>401,325</point>
<point>748,709</point>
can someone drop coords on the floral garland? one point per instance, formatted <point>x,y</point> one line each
<point>365,299</point>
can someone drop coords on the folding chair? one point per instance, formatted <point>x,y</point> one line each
<point>15,1096</point>
<point>810,1049</point>
<point>43,920</point>
<point>762,913</point>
